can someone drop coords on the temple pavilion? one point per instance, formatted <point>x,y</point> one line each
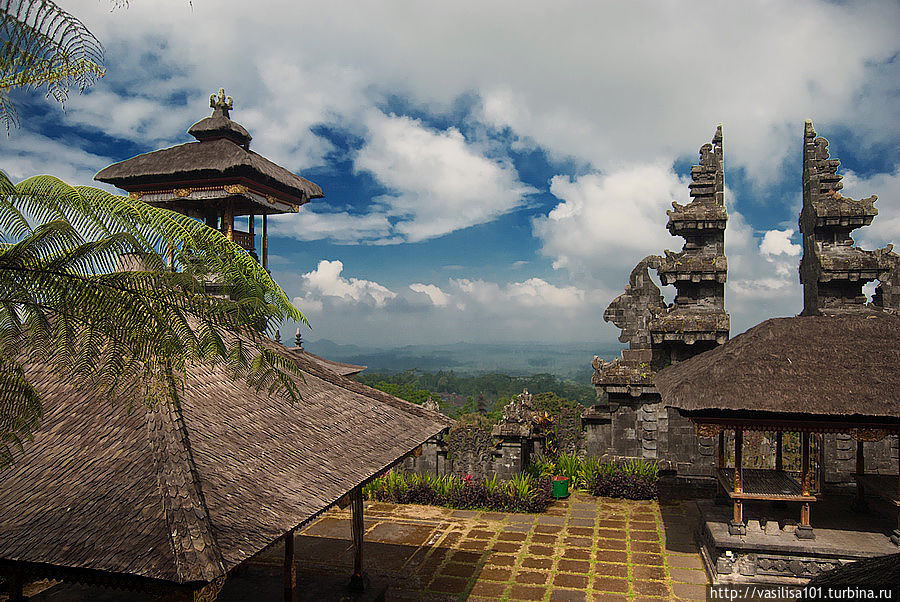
<point>830,372</point>
<point>216,179</point>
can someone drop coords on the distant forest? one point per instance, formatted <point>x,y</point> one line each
<point>465,394</point>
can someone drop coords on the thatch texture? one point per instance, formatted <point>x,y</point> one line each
<point>186,494</point>
<point>220,158</point>
<point>824,365</point>
<point>338,367</point>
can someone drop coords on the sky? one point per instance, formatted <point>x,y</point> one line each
<point>494,170</point>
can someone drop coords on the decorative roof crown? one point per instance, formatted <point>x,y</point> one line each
<point>219,124</point>
<point>221,104</point>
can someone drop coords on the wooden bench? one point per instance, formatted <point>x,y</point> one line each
<point>763,484</point>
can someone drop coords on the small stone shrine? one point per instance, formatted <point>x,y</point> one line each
<point>632,423</point>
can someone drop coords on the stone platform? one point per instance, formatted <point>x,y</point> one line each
<point>770,553</point>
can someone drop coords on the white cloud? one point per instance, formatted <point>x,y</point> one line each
<point>326,281</point>
<point>606,223</point>
<point>885,228</point>
<point>434,293</point>
<point>350,309</point>
<point>439,183</point>
<point>340,227</point>
<point>778,242</point>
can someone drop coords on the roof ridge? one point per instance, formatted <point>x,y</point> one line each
<point>357,387</point>
<point>198,556</point>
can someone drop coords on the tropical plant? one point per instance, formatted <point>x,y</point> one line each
<point>43,45</point>
<point>133,333</point>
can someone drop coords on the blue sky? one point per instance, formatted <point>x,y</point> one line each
<point>493,171</point>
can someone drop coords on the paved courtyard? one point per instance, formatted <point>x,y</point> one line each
<point>582,548</point>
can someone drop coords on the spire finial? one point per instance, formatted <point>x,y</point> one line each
<point>220,103</point>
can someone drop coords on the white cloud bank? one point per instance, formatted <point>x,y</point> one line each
<point>463,309</point>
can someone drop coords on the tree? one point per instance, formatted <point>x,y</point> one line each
<point>65,302</point>
<point>43,45</point>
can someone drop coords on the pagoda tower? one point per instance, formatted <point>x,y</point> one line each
<point>216,179</point>
<point>833,271</point>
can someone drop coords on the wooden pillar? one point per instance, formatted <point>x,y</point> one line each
<point>860,471</point>
<point>804,531</point>
<point>720,452</point>
<point>737,526</point>
<point>779,450</point>
<point>16,586</point>
<point>228,223</point>
<point>895,536</point>
<point>265,244</point>
<point>290,568</point>
<point>357,527</point>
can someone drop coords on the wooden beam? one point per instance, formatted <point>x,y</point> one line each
<point>357,528</point>
<point>738,460</point>
<point>265,244</point>
<point>290,568</point>
<point>228,223</point>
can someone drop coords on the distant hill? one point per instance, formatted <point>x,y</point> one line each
<point>567,361</point>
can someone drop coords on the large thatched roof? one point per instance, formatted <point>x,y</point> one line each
<point>834,366</point>
<point>208,159</point>
<point>186,494</point>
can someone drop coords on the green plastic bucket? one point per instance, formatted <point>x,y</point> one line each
<point>560,487</point>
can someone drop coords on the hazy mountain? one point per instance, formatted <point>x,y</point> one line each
<point>569,361</point>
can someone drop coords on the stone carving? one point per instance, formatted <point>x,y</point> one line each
<point>658,334</point>
<point>517,417</point>
<point>470,449</point>
<point>430,403</point>
<point>832,270</point>
<point>568,430</point>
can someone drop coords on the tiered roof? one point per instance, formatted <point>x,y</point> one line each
<point>220,165</point>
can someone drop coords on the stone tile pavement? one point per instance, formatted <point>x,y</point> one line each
<point>582,548</point>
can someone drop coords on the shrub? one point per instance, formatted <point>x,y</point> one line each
<point>633,480</point>
<point>521,494</point>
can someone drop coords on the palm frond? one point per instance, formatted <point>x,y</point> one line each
<point>43,45</point>
<point>64,298</point>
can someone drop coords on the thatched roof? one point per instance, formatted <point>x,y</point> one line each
<point>871,572</point>
<point>338,367</point>
<point>217,158</point>
<point>186,494</point>
<point>823,365</point>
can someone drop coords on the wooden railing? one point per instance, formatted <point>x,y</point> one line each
<point>243,239</point>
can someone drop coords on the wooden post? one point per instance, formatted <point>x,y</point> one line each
<point>860,471</point>
<point>357,527</point>
<point>228,223</point>
<point>737,526</point>
<point>265,244</point>
<point>720,452</point>
<point>16,586</point>
<point>804,531</point>
<point>779,450</point>
<point>290,568</point>
<point>804,463</point>
<point>895,536</point>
